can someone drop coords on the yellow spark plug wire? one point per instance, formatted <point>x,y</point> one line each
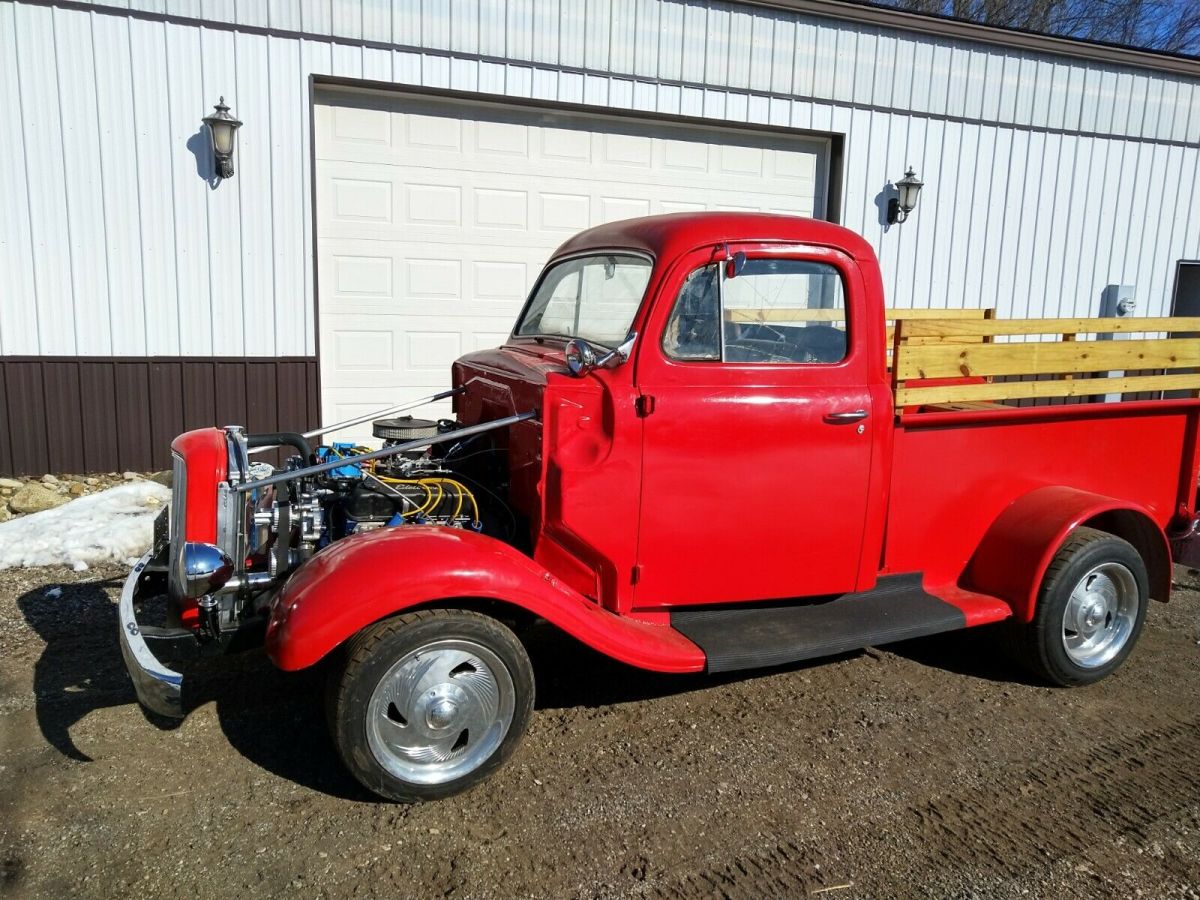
<point>428,485</point>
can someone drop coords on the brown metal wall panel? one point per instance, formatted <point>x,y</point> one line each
<point>293,390</point>
<point>166,410</point>
<point>26,416</point>
<point>6,463</point>
<point>262,395</point>
<point>95,414</point>
<point>314,393</point>
<point>230,381</point>
<point>64,449</point>
<point>132,383</point>
<point>199,395</point>
<point>99,416</point>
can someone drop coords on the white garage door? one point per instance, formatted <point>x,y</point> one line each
<point>434,217</point>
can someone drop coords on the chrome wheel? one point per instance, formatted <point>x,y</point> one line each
<point>440,712</point>
<point>1100,615</point>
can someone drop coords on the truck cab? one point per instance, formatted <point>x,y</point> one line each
<point>690,455</point>
<point>742,427</point>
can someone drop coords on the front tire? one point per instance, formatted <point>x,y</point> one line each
<point>1090,611</point>
<point>428,704</point>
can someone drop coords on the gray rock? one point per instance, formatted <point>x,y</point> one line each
<point>5,515</point>
<point>131,476</point>
<point>91,482</point>
<point>163,478</point>
<point>35,498</point>
<point>11,483</point>
<point>49,479</point>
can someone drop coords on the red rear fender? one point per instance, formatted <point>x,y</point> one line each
<point>360,580</point>
<point>1020,545</point>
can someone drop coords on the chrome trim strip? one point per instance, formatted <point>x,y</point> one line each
<point>158,688</point>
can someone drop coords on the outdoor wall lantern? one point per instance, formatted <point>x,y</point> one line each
<point>222,128</point>
<point>905,201</point>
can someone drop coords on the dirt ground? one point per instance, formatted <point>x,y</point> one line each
<point>929,769</point>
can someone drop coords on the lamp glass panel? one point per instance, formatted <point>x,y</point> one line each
<point>222,138</point>
<point>908,195</point>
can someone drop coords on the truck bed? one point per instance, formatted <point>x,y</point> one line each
<point>954,472</point>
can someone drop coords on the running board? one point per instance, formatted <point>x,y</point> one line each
<point>759,635</point>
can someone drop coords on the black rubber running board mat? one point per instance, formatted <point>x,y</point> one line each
<point>760,635</point>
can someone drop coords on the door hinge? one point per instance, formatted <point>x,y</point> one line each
<point>644,405</point>
<point>636,575</point>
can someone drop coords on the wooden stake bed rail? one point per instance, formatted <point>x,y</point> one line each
<point>954,361</point>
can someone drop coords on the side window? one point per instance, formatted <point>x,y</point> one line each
<point>772,311</point>
<point>693,331</point>
<point>784,311</point>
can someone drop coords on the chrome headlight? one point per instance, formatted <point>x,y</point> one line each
<point>206,569</point>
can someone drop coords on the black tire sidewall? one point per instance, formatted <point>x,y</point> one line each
<point>1055,595</point>
<point>360,673</point>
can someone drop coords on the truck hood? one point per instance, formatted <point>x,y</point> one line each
<point>505,380</point>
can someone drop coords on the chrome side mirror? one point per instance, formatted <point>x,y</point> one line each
<point>581,356</point>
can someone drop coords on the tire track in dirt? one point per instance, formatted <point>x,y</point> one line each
<point>1073,807</point>
<point>785,870</point>
<point>1076,808</point>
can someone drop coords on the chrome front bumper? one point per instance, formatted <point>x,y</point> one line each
<point>159,689</point>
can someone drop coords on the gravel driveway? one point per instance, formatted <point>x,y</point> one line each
<point>926,769</point>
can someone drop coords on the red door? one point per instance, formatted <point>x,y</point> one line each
<point>757,430</point>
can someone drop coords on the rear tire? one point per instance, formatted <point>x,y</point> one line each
<point>1089,614</point>
<point>427,704</point>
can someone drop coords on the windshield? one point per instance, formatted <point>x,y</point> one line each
<point>589,297</point>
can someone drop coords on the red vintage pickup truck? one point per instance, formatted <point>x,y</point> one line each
<point>697,451</point>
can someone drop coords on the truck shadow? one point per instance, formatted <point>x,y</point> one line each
<point>276,720</point>
<point>975,653</point>
<point>80,669</point>
<point>273,719</point>
<point>570,674</point>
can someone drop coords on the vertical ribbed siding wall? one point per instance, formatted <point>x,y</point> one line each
<point>111,243</point>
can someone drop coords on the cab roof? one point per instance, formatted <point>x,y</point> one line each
<point>667,236</point>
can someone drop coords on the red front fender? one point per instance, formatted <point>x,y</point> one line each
<point>362,579</point>
<point>1020,545</point>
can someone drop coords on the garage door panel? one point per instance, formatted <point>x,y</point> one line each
<point>365,208</point>
<point>508,171</point>
<point>391,351</point>
<point>435,217</point>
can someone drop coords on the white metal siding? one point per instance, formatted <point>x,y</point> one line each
<point>110,243</point>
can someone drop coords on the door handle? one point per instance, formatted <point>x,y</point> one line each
<point>845,418</point>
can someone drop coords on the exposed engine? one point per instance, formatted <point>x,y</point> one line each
<point>269,530</point>
<point>432,486</point>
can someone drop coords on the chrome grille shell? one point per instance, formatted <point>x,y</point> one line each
<point>178,531</point>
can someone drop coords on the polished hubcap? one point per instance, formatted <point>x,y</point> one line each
<point>1100,615</point>
<point>440,712</point>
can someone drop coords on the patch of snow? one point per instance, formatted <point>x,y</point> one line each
<point>113,525</point>
<point>53,593</point>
